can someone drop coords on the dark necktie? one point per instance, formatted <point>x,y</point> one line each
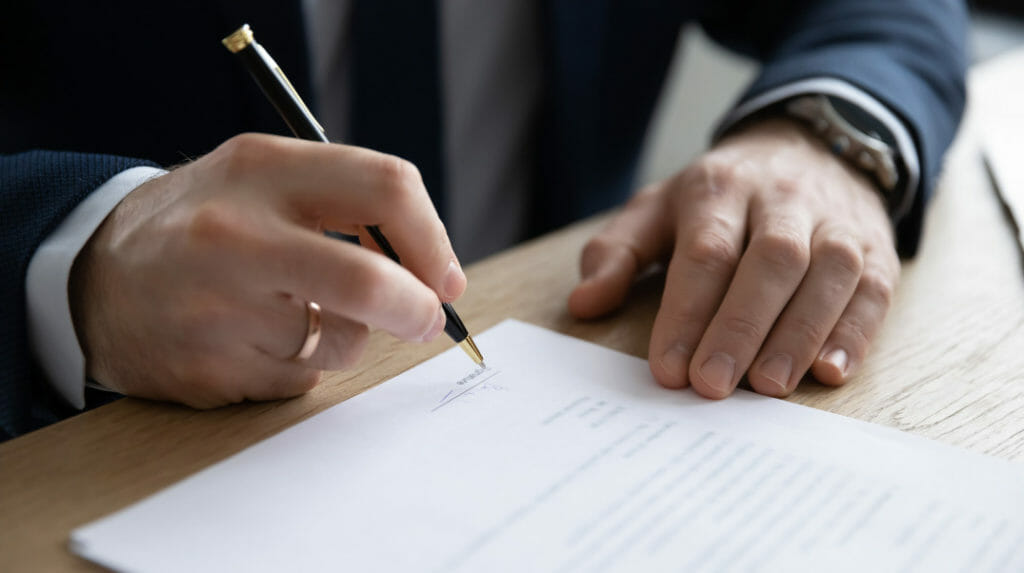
<point>396,92</point>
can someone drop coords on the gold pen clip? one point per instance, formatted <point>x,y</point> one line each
<point>291,88</point>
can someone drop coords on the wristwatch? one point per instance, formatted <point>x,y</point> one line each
<point>859,138</point>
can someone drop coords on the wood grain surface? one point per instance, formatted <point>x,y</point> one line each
<point>949,364</point>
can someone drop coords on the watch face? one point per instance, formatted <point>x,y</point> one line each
<point>863,121</point>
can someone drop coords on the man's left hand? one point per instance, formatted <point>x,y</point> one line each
<point>780,260</point>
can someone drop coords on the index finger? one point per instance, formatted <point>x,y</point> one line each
<point>709,239</point>
<point>342,187</point>
<point>350,282</point>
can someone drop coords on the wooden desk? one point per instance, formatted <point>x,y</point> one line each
<point>949,365</point>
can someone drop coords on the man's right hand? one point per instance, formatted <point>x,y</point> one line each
<point>194,288</point>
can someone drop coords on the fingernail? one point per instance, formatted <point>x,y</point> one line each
<point>777,369</point>
<point>839,359</point>
<point>718,371</point>
<point>674,361</point>
<point>437,327</point>
<point>453,282</point>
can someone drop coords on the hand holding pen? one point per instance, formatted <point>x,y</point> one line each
<point>293,110</point>
<point>195,288</point>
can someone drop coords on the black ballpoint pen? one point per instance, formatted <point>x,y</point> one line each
<point>286,100</point>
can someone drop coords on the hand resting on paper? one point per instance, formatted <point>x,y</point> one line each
<point>780,260</point>
<point>194,288</point>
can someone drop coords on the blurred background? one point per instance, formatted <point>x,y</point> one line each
<point>705,80</point>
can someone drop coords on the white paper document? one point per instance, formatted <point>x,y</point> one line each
<point>566,456</point>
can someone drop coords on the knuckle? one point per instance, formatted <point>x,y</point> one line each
<point>714,174</point>
<point>856,332</point>
<point>684,318</point>
<point>712,251</point>
<point>807,331</point>
<point>399,178</point>
<point>842,253</point>
<point>744,329</point>
<point>245,153</point>
<point>782,249</point>
<point>878,287</point>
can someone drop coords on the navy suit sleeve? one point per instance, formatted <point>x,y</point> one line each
<point>37,190</point>
<point>908,54</point>
<point>133,79</point>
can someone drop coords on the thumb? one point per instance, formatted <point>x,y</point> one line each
<point>607,270</point>
<point>611,260</point>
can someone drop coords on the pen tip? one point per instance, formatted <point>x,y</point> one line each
<point>469,347</point>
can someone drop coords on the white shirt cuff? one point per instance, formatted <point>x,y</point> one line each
<point>847,91</point>
<point>51,330</point>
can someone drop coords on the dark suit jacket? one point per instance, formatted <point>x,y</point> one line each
<point>84,86</point>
